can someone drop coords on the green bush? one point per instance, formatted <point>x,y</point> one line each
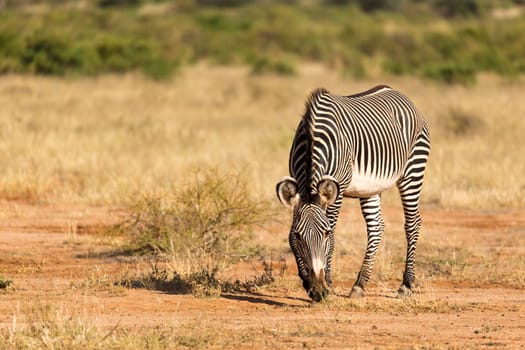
<point>452,73</point>
<point>371,5</point>
<point>263,65</point>
<point>267,36</point>
<point>11,49</point>
<point>383,5</point>
<point>455,8</point>
<point>118,3</point>
<point>223,3</point>
<point>48,54</point>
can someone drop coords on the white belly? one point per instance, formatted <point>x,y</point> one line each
<point>364,185</point>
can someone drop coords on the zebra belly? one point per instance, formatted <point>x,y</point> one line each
<point>366,185</point>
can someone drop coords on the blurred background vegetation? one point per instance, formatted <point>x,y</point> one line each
<point>444,40</point>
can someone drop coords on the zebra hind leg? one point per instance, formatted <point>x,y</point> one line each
<point>371,209</point>
<point>410,189</point>
<point>410,199</point>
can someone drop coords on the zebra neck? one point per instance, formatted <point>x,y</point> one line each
<point>319,125</point>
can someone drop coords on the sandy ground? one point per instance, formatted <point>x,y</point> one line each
<point>51,254</point>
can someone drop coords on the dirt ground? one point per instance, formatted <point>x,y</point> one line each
<point>50,253</point>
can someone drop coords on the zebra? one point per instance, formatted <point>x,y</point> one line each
<point>353,146</point>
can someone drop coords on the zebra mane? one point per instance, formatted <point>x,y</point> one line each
<point>309,116</point>
<point>309,125</point>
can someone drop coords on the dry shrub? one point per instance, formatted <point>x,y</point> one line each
<point>461,123</point>
<point>212,216</point>
<point>204,226</point>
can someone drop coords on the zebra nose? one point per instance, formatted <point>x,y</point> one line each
<point>318,279</point>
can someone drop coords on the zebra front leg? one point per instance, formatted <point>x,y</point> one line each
<point>371,210</point>
<point>332,213</point>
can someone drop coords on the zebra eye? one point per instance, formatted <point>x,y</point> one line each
<point>297,236</point>
<point>327,233</point>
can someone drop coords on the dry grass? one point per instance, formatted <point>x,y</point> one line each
<point>50,326</point>
<point>467,248</point>
<point>103,140</point>
<point>414,304</point>
<point>92,312</point>
<point>107,140</point>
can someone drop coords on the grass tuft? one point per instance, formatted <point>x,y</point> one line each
<point>5,283</point>
<point>48,326</point>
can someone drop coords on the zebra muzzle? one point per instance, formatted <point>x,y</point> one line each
<point>319,287</point>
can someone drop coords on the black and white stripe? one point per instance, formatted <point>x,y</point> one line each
<point>364,143</point>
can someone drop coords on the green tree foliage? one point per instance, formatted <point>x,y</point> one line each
<point>405,37</point>
<point>455,8</point>
<point>118,3</point>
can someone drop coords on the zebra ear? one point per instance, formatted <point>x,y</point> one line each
<point>287,191</point>
<point>328,190</point>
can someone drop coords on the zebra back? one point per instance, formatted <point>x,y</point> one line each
<point>371,133</point>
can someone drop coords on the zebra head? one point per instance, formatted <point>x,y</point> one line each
<point>311,236</point>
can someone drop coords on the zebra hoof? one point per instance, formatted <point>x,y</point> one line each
<point>404,291</point>
<point>357,292</point>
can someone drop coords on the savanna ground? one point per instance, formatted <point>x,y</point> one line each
<point>76,155</point>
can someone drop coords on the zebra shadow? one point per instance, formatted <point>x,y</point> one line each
<point>258,298</point>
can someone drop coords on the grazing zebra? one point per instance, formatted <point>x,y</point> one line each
<point>353,146</point>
